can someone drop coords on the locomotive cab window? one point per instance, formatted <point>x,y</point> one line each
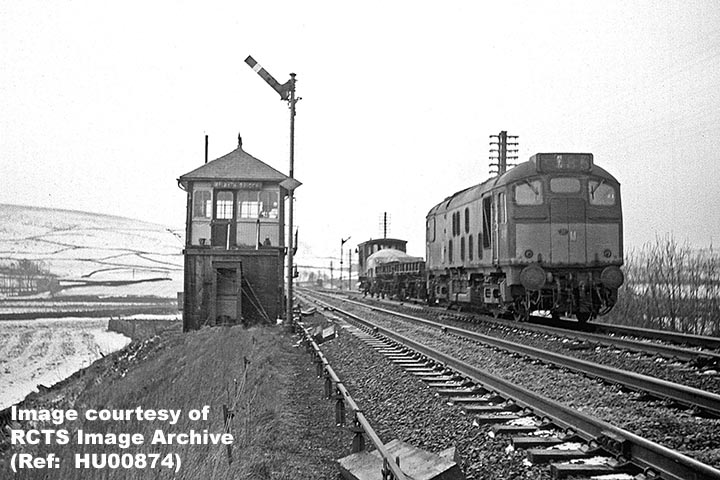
<point>487,222</point>
<point>529,192</point>
<point>565,185</point>
<point>501,208</point>
<point>601,193</point>
<point>431,229</point>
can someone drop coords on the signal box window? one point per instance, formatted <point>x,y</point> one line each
<point>248,204</point>
<point>202,204</point>
<point>224,205</point>
<point>269,204</point>
<point>601,193</point>
<point>564,185</point>
<point>529,192</point>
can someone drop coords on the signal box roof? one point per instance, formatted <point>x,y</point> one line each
<point>237,165</point>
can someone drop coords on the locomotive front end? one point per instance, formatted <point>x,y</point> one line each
<point>568,235</point>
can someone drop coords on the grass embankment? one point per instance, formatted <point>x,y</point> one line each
<point>256,373</point>
<point>670,286</point>
<point>139,329</point>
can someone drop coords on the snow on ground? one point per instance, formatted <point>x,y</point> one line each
<point>46,351</point>
<point>94,247</point>
<point>150,316</point>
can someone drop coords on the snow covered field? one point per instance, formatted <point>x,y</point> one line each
<point>46,351</point>
<point>94,254</point>
<point>103,265</point>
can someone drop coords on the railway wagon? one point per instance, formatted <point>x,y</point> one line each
<point>387,270</point>
<point>545,235</point>
<point>401,279</point>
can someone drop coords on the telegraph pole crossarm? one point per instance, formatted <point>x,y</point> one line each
<point>501,152</point>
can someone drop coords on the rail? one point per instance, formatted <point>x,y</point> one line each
<point>655,459</point>
<point>683,394</point>
<point>391,467</point>
<point>686,338</point>
<point>592,328</point>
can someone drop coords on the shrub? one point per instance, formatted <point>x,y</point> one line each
<point>670,286</point>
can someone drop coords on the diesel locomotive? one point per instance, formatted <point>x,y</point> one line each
<point>545,235</point>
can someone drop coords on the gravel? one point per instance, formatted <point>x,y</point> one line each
<point>399,405</point>
<point>652,419</point>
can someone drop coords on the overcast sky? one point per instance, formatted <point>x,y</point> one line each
<point>104,104</point>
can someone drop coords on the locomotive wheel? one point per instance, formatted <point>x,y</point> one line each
<point>606,299</point>
<point>582,317</point>
<point>521,313</point>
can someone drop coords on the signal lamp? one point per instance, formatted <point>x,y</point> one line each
<point>607,253</point>
<point>529,253</point>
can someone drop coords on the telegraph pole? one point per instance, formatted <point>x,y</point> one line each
<point>342,244</point>
<point>287,94</point>
<point>349,269</point>
<point>501,152</point>
<point>384,224</point>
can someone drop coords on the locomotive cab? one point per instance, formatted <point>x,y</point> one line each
<point>576,251</point>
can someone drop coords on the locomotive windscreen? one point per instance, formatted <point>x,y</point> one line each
<point>563,162</point>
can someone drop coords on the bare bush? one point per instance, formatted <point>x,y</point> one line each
<point>25,277</point>
<point>670,286</point>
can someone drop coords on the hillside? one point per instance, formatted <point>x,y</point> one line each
<point>88,254</point>
<point>282,428</point>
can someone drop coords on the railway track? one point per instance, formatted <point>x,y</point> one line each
<point>706,355</point>
<point>689,396</point>
<point>362,425</point>
<point>645,454</point>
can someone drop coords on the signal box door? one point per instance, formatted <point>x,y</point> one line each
<point>223,228</point>
<point>567,230</point>
<point>229,296</point>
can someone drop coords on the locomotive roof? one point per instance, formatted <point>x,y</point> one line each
<point>236,165</point>
<point>523,170</point>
